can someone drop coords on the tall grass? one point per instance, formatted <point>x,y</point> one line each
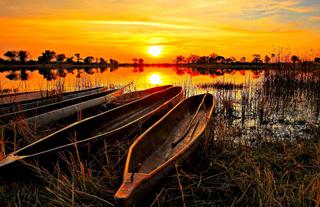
<point>262,149</point>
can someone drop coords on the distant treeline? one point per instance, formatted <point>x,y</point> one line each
<point>22,58</point>
<point>256,59</point>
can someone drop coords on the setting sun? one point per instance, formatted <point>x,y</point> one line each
<point>155,51</point>
<point>155,79</point>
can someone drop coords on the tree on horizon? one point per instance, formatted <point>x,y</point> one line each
<point>11,55</point>
<point>23,56</point>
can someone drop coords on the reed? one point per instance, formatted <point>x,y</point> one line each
<point>261,149</point>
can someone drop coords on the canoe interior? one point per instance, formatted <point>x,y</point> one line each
<point>128,97</point>
<point>156,146</point>
<point>102,123</point>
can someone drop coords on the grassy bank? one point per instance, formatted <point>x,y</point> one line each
<point>262,149</point>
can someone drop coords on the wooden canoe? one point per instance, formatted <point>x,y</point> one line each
<point>16,132</point>
<point>22,97</point>
<point>115,124</point>
<point>169,141</point>
<point>54,97</point>
<point>23,114</point>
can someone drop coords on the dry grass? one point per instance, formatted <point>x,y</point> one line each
<point>262,149</point>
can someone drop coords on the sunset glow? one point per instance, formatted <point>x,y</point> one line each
<point>155,51</point>
<point>129,29</point>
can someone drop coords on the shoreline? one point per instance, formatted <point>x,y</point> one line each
<point>238,66</point>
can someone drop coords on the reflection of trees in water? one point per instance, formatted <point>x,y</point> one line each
<point>62,73</point>
<point>186,70</point>
<point>48,74</point>
<point>89,71</point>
<point>23,75</point>
<point>138,69</point>
<point>13,76</point>
<point>113,68</point>
<point>103,69</point>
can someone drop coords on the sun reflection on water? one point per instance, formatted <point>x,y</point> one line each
<point>155,79</point>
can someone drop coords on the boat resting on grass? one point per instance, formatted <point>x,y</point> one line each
<point>115,124</point>
<point>14,133</point>
<point>23,97</point>
<point>169,141</point>
<point>54,97</point>
<point>23,114</point>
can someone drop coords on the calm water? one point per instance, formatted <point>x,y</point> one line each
<point>28,80</point>
<point>255,104</point>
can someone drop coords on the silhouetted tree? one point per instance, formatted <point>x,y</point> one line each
<point>243,59</point>
<point>179,59</point>
<point>135,61</point>
<point>77,55</point>
<point>23,55</point>
<point>256,58</point>
<point>11,55</point>
<point>220,59</point>
<point>47,56</point>
<point>88,60</point>
<point>61,57</point>
<point>230,60</point>
<point>141,61</point>
<point>113,62</point>
<point>192,59</point>
<point>295,59</point>
<point>267,59</point>
<point>203,60</point>
<point>212,58</point>
<point>317,60</point>
<point>69,60</point>
<point>102,61</point>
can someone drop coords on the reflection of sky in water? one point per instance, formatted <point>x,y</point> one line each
<point>142,78</point>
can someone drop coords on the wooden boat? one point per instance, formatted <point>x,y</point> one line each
<point>21,97</point>
<point>169,141</point>
<point>10,94</point>
<point>55,97</point>
<point>23,114</point>
<point>115,124</point>
<point>17,131</point>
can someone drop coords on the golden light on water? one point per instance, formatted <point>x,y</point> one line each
<point>155,50</point>
<point>155,79</point>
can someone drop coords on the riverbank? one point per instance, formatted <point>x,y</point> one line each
<point>236,66</point>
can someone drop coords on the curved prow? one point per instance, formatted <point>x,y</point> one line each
<point>167,142</point>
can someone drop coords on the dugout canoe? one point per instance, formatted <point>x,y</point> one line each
<point>169,141</point>
<point>53,97</point>
<point>83,96</point>
<point>23,97</point>
<point>115,124</point>
<point>38,122</point>
<point>15,133</point>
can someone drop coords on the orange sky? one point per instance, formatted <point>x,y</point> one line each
<point>124,29</point>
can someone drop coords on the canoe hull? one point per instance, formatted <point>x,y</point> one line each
<point>90,146</point>
<point>136,185</point>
